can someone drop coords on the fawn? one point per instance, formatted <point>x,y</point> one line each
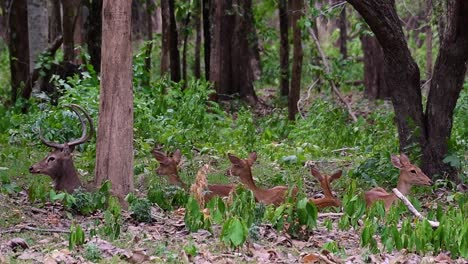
<point>168,166</point>
<point>276,195</point>
<point>409,175</point>
<point>58,164</point>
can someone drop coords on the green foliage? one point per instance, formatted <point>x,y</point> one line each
<point>234,232</point>
<point>77,236</point>
<point>92,253</point>
<point>112,221</point>
<point>168,198</point>
<point>194,218</point>
<point>140,208</point>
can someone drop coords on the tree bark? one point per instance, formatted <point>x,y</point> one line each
<point>173,45</point>
<point>206,10</point>
<point>19,47</point>
<point>197,25</point>
<point>296,7</point>
<point>428,41</point>
<point>114,147</point>
<point>55,19</point>
<point>374,78</point>
<point>401,71</point>
<point>343,33</point>
<point>37,29</point>
<point>165,25</point>
<point>284,47</point>
<point>149,27</point>
<point>94,33</point>
<point>185,32</point>
<point>446,84</point>
<point>70,13</point>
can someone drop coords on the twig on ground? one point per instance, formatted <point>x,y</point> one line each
<point>303,99</point>
<point>412,209</point>
<point>346,148</point>
<point>330,214</point>
<point>35,229</point>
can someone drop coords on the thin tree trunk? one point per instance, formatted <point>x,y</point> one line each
<point>184,49</point>
<point>206,6</point>
<point>37,29</point>
<point>19,48</point>
<point>284,47</point>
<point>70,12</point>
<point>173,45</point>
<point>374,78</point>
<point>296,7</point>
<point>165,25</point>
<point>428,41</point>
<point>343,33</point>
<point>114,147</point>
<point>446,84</point>
<point>197,18</point>
<point>94,33</point>
<point>149,48</point>
<point>55,19</point>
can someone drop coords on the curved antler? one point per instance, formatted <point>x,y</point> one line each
<point>84,136</point>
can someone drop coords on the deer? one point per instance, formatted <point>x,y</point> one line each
<point>277,195</point>
<point>409,175</point>
<point>58,164</point>
<point>169,167</point>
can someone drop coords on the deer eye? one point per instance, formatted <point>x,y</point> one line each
<point>50,159</point>
<point>413,171</point>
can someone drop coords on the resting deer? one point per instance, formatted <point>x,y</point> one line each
<point>58,164</point>
<point>277,195</point>
<point>409,175</point>
<point>168,166</point>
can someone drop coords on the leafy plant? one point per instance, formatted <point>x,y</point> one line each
<point>112,221</point>
<point>234,232</point>
<point>77,236</point>
<point>140,208</point>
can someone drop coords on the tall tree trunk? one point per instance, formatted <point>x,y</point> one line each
<point>165,25</point>
<point>94,32</point>
<point>206,6</point>
<point>114,147</point>
<point>70,12</point>
<point>185,32</point>
<point>19,48</point>
<point>374,78</point>
<point>343,33</point>
<point>401,71</point>
<point>149,26</point>
<point>446,84</point>
<point>197,25</point>
<point>173,45</point>
<point>37,30</point>
<point>428,41</point>
<point>296,7</point>
<point>55,19</point>
<point>284,47</point>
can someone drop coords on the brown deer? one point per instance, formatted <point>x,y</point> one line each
<point>58,164</point>
<point>276,195</point>
<point>409,175</point>
<point>168,166</point>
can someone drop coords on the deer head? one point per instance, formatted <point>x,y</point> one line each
<point>409,174</point>
<point>325,180</point>
<point>58,164</point>
<point>242,168</point>
<point>168,166</point>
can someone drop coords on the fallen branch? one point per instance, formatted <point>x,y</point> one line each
<point>412,209</point>
<point>330,214</point>
<point>303,99</point>
<point>36,229</point>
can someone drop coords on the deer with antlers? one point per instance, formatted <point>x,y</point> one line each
<point>58,164</point>
<point>169,167</point>
<point>277,195</point>
<point>409,175</point>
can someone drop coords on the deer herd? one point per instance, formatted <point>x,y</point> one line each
<point>58,164</point>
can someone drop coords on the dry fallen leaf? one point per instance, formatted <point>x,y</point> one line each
<point>310,258</point>
<point>17,242</point>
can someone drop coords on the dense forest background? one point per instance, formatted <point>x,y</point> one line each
<point>336,85</point>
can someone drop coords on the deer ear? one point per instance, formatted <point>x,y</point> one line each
<point>404,159</point>
<point>234,160</point>
<point>177,155</point>
<point>316,174</point>
<point>252,158</point>
<point>159,156</point>
<point>336,175</point>
<point>396,162</point>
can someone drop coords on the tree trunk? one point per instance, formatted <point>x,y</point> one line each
<point>284,47</point>
<point>401,71</point>
<point>185,32</point>
<point>374,79</point>
<point>165,25</point>
<point>94,33</point>
<point>296,7</point>
<point>428,41</point>
<point>446,84</point>
<point>149,26</point>
<point>55,19</point>
<point>206,6</point>
<point>343,33</point>
<point>70,12</point>
<point>37,29</point>
<point>19,48</point>
<point>174,58</point>
<point>114,147</point>
<point>197,18</point>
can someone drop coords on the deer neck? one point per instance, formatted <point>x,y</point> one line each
<point>67,178</point>
<point>403,186</point>
<point>246,178</point>
<point>175,180</point>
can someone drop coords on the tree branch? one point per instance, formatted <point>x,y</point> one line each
<point>412,209</point>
